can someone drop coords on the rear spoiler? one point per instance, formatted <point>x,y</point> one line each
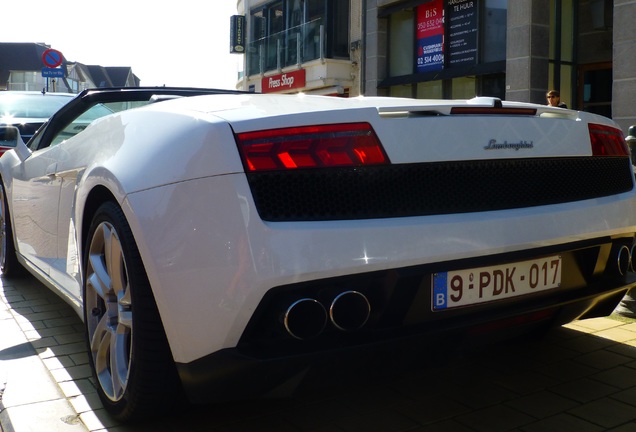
<point>477,106</point>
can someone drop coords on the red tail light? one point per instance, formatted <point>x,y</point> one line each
<point>348,144</point>
<point>607,141</point>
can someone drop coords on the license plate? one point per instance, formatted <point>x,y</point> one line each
<point>480,285</point>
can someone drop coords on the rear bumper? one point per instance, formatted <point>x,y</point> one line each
<point>229,374</point>
<point>269,362</point>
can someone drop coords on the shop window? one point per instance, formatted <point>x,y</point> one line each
<point>596,91</point>
<point>430,90</point>
<point>404,91</point>
<point>338,46</point>
<point>561,67</point>
<point>494,25</point>
<point>289,32</point>
<point>464,88</point>
<point>402,49</point>
<point>276,43</point>
<point>443,41</point>
<point>493,85</point>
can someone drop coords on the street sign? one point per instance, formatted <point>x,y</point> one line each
<point>52,58</point>
<point>52,73</point>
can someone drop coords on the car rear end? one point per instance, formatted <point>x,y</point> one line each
<point>377,223</point>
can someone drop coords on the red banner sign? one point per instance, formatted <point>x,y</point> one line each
<point>283,82</point>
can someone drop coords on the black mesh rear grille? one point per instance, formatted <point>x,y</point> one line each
<point>434,188</point>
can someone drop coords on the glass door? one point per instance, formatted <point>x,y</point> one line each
<point>595,88</point>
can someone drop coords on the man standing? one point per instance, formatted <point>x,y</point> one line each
<point>554,99</point>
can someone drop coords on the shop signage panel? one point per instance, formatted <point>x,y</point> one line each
<point>283,82</point>
<point>237,34</point>
<point>462,38</point>
<point>430,36</point>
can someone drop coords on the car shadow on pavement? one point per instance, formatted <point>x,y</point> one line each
<point>22,350</point>
<point>577,377</point>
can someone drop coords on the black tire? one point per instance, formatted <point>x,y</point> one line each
<point>9,265</point>
<point>120,311</point>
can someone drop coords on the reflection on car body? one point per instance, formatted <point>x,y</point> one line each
<point>224,244</point>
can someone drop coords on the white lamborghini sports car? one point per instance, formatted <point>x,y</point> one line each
<point>225,244</point>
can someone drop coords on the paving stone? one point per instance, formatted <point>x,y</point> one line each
<point>627,396</point>
<point>542,404</point>
<point>584,344</point>
<point>497,418</point>
<point>28,382</point>
<point>59,362</point>
<point>562,423</point>
<point>621,377</point>
<point>604,359</point>
<point>65,338</point>
<point>565,371</point>
<point>605,412</point>
<point>51,416</point>
<point>629,427</point>
<point>71,373</point>
<point>617,334</point>
<point>596,324</point>
<point>584,390</point>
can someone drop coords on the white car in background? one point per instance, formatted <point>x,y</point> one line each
<point>226,244</point>
<point>27,111</point>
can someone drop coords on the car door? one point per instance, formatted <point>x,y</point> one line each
<point>64,268</point>
<point>42,216</point>
<point>36,191</point>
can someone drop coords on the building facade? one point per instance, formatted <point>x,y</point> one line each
<point>514,50</point>
<point>22,68</point>
<point>310,46</point>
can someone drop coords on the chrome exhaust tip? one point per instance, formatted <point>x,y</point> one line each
<point>350,311</point>
<point>305,318</point>
<point>624,260</point>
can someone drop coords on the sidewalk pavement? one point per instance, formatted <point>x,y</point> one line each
<point>44,372</point>
<point>581,377</point>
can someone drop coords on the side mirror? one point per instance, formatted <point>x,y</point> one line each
<point>10,137</point>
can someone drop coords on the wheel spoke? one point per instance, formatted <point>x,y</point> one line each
<point>100,279</point>
<point>119,362</point>
<point>102,332</point>
<point>100,348</point>
<point>99,286</point>
<point>115,263</point>
<point>125,312</point>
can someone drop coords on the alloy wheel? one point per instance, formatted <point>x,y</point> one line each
<point>108,305</point>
